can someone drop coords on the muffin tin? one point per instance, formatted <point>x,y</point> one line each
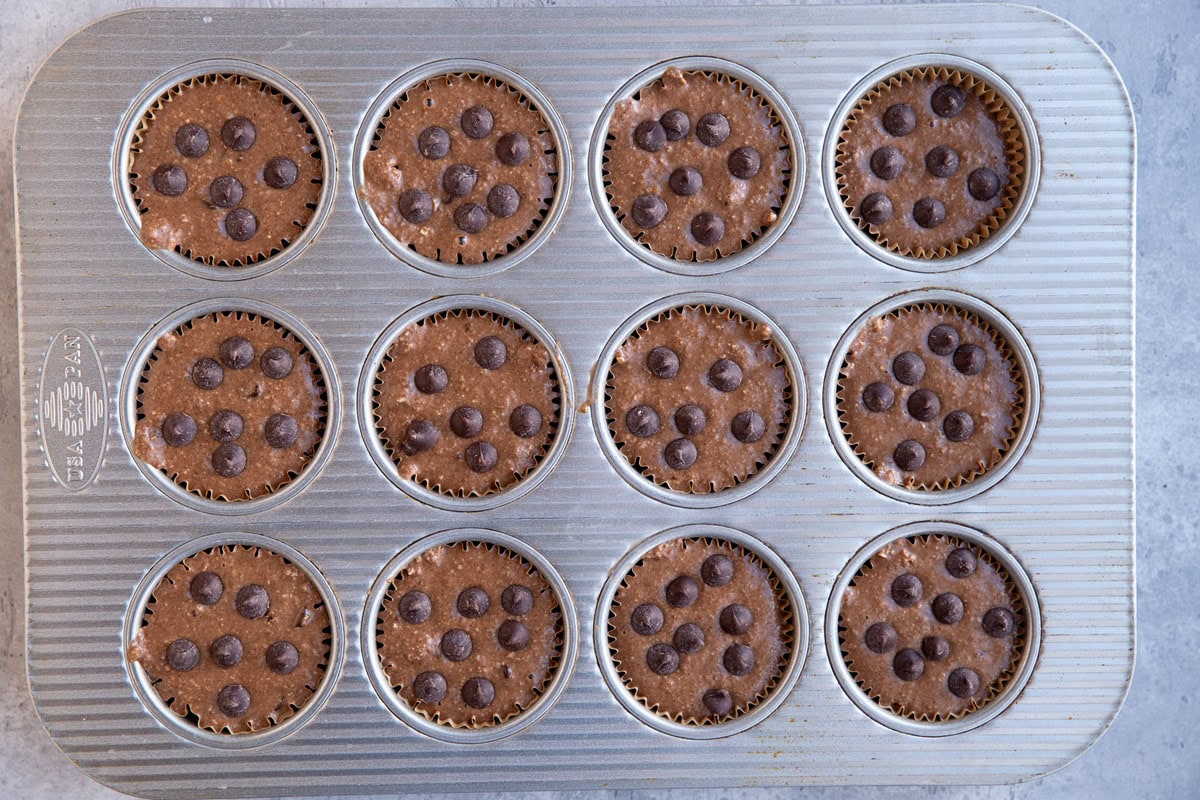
<point>93,298</point>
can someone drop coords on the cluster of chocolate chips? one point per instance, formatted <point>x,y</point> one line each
<point>252,602</point>
<point>711,130</point>
<point>238,134</point>
<point>922,404</point>
<point>280,431</point>
<point>459,180</point>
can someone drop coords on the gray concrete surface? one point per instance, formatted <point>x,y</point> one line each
<point>1152,750</point>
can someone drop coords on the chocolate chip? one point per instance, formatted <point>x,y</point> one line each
<point>948,608</point>
<point>206,588</point>
<point>236,352</point>
<point>909,368</point>
<point>712,129</point>
<point>686,181</point>
<point>225,192</point>
<point>983,183</point>
<point>736,619</point>
<point>958,426</point>
<point>948,100</point>
<point>207,374</point>
<point>414,607</point>
<point>431,379</point>
<point>229,460</point>
<point>941,161</point>
<point>281,431</point>
<point>717,570</point>
<point>226,651</point>
<point>517,599</point>
<point>924,405</point>
<point>718,701</point>
<point>744,163</point>
<point>642,421</point>
<point>748,427</point>
<point>429,687</point>
<point>491,352</point>
<point>276,363</point>
<point>252,601</point>
<point>707,228</point>
<point>738,659</point>
<point>682,591</point>
<point>170,180</point>
<point>421,435</point>
<point>225,425</point>
<point>183,655</point>
<point>969,359</point>
<point>238,133</point>
<point>649,211</point>
<point>880,638</point>
<point>662,659</point>
<point>283,658</point>
<point>233,700</point>
<point>415,205</point>
<point>900,119</point>
<point>935,648</point>
<point>907,590</point>
<point>459,179</point>
<point>178,429</point>
<point>876,208</point>
<point>887,163</point>
<point>456,645</point>
<point>908,665</point>
<point>725,375</point>
<point>280,172</point>
<point>512,635</point>
<point>191,140</point>
<point>690,419</point>
<point>525,421</point>
<point>929,212</point>
<point>676,124</point>
<point>942,340</point>
<point>476,122</point>
<point>466,421</point>
<point>473,602</point>
<point>503,200</point>
<point>909,455</point>
<point>513,149</point>
<point>963,682</point>
<point>688,638</point>
<point>680,454</point>
<point>481,456</point>
<point>878,397</point>
<point>999,622</point>
<point>961,563</point>
<point>646,619</point>
<point>478,692</point>
<point>650,136</point>
<point>241,224</point>
<point>662,362</point>
<point>433,142</point>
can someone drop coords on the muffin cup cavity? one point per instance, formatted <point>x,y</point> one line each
<point>465,259</point>
<point>775,219</point>
<point>186,724</point>
<point>1001,693</point>
<point>236,205</point>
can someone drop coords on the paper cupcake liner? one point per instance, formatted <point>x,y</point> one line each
<point>1015,152</point>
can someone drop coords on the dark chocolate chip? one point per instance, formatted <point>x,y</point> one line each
<point>748,427</point>
<point>961,563</point>
<point>738,659</point>
<point>736,619</point>
<point>690,419</point>
<point>744,163</point>
<point>958,426</point>
<point>431,379</point>
<point>525,421</point>
<point>513,149</point>
<point>646,619</point>
<point>415,205</point>
<point>414,607</point>
<point>876,208</point>
<point>433,142</point>
<point>229,460</point>
<point>276,363</point>
<point>707,228</point>
<point>191,140</point>
<point>909,368</point>
<point>459,179</point>
<point>924,405</point>
<point>517,599</point>
<point>481,456</point>
<point>252,601</point>
<point>942,340</point>
<point>241,224</point>
<point>948,608</point>
<point>676,124</point>
<point>183,655</point>
<point>466,421</point>
<point>928,212</point>
<point>478,692</point>
<point>712,129</point>
<point>283,658</point>
<point>206,588</point>
<point>680,454</point>
<point>900,119</point>
<point>663,362</point>
<point>963,682</point>
<point>999,622</point>
<point>688,638</point>
<point>225,425</point>
<point>718,701</point>
<point>969,359</point>
<point>236,352</point>
<point>503,200</point>
<point>880,638</point>
<point>429,687</point>
<point>909,455</point>
<point>225,192</point>
<point>878,397</point>
<point>686,181</point>
<point>948,100</point>
<point>491,352</point>
<point>207,374</point>
<point>170,180</point>
<point>226,651</point>
<point>457,645</point>
<point>650,136</point>
<point>473,602</point>
<point>421,435</point>
<point>512,635</point>
<point>233,700</point>
<point>725,375</point>
<point>642,421</point>
<point>662,659</point>
<point>649,211</point>
<point>476,122</point>
<point>887,163</point>
<point>907,590</point>
<point>280,172</point>
<point>178,429</point>
<point>281,431</point>
<point>941,161</point>
<point>935,648</point>
<point>717,570</point>
<point>682,591</point>
<point>908,665</point>
<point>238,133</point>
<point>983,183</point>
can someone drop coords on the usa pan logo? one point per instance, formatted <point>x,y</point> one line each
<point>73,409</point>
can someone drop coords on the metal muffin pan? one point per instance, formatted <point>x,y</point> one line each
<point>90,291</point>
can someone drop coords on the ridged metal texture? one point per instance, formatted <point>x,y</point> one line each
<point>1065,280</point>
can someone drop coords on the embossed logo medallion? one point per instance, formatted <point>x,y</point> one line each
<point>73,410</point>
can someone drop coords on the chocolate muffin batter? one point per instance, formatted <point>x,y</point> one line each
<point>231,406</point>
<point>932,628</point>
<point>462,169</point>
<point>696,165</point>
<point>236,638</point>
<point>470,634</point>
<point>698,398</point>
<point>700,630</point>
<point>225,170</point>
